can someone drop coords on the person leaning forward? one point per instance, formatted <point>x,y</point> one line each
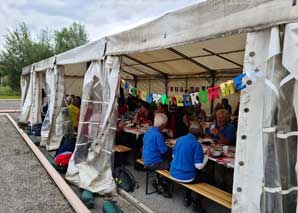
<point>189,160</point>
<point>155,151</point>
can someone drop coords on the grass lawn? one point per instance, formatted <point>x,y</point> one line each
<point>8,93</point>
<point>10,97</point>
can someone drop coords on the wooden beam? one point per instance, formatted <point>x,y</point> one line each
<point>122,70</point>
<point>189,59</point>
<point>72,198</point>
<point>222,57</point>
<point>146,65</point>
<point>193,57</point>
<point>74,76</point>
<point>139,70</point>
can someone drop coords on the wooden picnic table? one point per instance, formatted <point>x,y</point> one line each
<point>141,130</point>
<point>226,160</point>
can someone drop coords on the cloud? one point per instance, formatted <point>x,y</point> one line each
<point>100,18</point>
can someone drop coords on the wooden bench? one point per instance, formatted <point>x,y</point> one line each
<point>121,148</point>
<point>217,195</point>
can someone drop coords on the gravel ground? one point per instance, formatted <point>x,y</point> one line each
<point>24,184</point>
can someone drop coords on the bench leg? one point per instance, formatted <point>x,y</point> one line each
<point>147,184</point>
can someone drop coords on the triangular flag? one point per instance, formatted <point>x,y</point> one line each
<point>203,96</point>
<point>149,98</point>
<point>186,100</point>
<point>238,82</point>
<point>179,100</point>
<point>143,95</point>
<point>164,99</point>
<point>194,99</point>
<point>156,97</point>
<point>213,93</point>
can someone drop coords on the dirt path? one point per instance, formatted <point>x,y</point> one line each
<point>24,185</point>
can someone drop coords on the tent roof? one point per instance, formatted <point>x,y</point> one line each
<point>219,55</point>
<point>88,52</point>
<point>203,21</point>
<point>197,23</point>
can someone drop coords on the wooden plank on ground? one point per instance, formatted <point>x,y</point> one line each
<point>9,110</point>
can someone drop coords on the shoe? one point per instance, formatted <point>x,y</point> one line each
<point>167,195</point>
<point>154,184</point>
<point>198,208</point>
<point>160,189</point>
<point>187,201</point>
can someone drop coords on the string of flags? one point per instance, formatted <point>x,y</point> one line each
<point>224,89</point>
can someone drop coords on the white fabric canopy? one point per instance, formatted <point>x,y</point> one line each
<point>202,21</point>
<point>88,52</point>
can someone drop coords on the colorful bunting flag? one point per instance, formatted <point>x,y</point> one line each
<point>143,95</point>
<point>238,82</point>
<point>225,89</point>
<point>149,98</point>
<point>164,99</point>
<point>203,96</point>
<point>194,98</point>
<point>179,100</point>
<point>156,97</point>
<point>213,93</point>
<point>186,100</point>
<point>174,101</point>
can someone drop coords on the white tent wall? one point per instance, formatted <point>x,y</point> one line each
<point>25,81</point>
<point>196,23</point>
<point>90,165</point>
<point>74,78</point>
<point>28,97</point>
<point>58,87</point>
<point>36,106</point>
<point>265,176</point>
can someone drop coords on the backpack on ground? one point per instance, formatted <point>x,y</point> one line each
<point>124,179</point>
<point>68,144</point>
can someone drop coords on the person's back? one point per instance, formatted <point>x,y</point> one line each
<point>187,153</point>
<point>73,114</point>
<point>153,147</point>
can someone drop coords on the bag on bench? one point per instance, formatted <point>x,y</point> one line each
<point>124,179</point>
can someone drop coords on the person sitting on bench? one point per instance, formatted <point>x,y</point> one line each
<point>156,154</point>
<point>189,160</point>
<point>155,150</point>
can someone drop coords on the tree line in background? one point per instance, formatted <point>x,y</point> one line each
<point>22,49</point>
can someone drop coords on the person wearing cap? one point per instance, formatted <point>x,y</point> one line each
<point>155,150</point>
<point>189,159</point>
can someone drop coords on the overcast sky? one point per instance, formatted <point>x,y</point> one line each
<point>100,17</point>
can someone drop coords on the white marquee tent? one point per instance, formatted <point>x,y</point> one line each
<point>203,44</point>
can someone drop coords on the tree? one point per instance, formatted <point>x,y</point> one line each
<point>71,37</point>
<point>21,50</point>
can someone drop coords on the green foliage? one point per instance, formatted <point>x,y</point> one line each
<point>7,91</point>
<point>71,37</point>
<point>21,49</point>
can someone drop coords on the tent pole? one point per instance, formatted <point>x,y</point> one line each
<point>166,85</point>
<point>212,85</point>
<point>135,80</point>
